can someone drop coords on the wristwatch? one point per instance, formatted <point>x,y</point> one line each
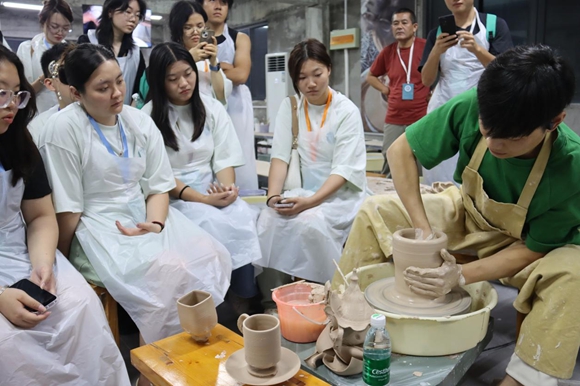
<point>214,68</point>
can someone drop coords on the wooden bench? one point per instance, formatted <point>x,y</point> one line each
<point>110,306</point>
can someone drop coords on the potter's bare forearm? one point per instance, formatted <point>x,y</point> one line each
<point>484,56</point>
<point>376,83</point>
<point>188,194</point>
<point>403,166</point>
<point>217,83</point>
<point>41,230</point>
<point>276,176</point>
<point>430,69</point>
<point>504,263</point>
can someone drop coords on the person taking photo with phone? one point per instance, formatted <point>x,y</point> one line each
<point>235,59</point>
<point>41,340</point>
<point>459,60</point>
<point>399,61</point>
<point>187,25</point>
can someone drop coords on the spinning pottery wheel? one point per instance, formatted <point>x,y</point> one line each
<point>394,296</point>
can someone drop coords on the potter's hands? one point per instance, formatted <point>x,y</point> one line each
<point>12,302</point>
<point>211,50</point>
<point>142,228</point>
<point>423,234</point>
<point>42,276</point>
<point>467,41</point>
<point>435,282</point>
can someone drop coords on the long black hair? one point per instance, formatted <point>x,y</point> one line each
<point>105,29</point>
<point>80,63</point>
<point>163,56</point>
<point>16,146</point>
<point>179,15</point>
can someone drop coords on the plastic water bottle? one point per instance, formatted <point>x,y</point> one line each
<point>377,353</point>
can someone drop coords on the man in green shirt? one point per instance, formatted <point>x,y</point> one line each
<point>518,207</point>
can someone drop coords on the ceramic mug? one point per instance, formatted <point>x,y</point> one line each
<point>197,314</point>
<point>262,343</point>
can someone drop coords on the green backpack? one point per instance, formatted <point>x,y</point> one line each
<point>490,23</point>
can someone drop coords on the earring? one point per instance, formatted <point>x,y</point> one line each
<point>58,95</point>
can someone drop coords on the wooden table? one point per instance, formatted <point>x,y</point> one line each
<point>179,360</point>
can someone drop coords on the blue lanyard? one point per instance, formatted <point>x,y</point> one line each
<point>46,44</point>
<point>125,153</point>
<point>2,168</point>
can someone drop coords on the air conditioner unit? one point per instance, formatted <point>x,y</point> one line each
<point>278,84</point>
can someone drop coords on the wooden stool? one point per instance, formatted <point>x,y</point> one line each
<point>110,306</point>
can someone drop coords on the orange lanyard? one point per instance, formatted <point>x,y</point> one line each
<point>328,100</point>
<point>206,66</point>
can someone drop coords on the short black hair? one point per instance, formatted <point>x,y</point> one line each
<point>406,10</point>
<point>81,62</point>
<point>54,53</point>
<point>303,51</point>
<point>523,89</point>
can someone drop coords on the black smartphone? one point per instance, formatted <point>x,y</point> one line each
<point>42,296</point>
<point>447,24</point>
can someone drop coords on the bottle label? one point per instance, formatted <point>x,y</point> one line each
<point>377,372</point>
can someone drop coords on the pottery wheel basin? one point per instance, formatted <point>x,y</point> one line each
<point>434,336</point>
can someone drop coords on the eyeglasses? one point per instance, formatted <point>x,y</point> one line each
<point>130,15</point>
<point>55,28</point>
<point>190,30</point>
<point>7,96</point>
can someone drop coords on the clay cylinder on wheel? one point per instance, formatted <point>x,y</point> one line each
<point>408,252</point>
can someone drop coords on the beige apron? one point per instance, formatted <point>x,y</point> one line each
<point>550,335</point>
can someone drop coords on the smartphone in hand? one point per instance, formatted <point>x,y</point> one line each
<point>42,296</point>
<point>447,24</point>
<point>281,204</point>
<point>207,36</point>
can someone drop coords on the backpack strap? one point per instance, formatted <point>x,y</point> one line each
<point>490,24</point>
<point>294,104</point>
<point>438,32</point>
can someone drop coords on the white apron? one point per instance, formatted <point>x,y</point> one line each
<point>74,345</point>
<point>305,245</point>
<point>129,66</point>
<point>241,111</point>
<point>146,274</point>
<point>235,225</point>
<point>30,53</point>
<point>460,71</point>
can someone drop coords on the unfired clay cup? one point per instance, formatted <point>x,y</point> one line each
<point>197,314</point>
<point>262,343</point>
<point>408,252</point>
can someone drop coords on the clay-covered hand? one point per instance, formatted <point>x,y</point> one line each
<point>435,282</point>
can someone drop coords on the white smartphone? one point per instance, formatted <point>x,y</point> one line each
<point>283,205</point>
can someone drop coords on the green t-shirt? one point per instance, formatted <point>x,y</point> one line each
<point>553,218</point>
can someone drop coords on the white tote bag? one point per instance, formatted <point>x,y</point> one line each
<point>293,177</point>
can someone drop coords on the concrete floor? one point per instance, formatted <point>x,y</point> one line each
<point>490,365</point>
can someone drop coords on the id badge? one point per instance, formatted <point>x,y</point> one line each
<point>408,91</point>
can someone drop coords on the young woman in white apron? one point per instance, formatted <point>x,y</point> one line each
<point>303,240</point>
<point>203,151</point>
<point>115,31</point>
<point>240,106</point>
<point>52,347</point>
<point>110,176</point>
<point>460,70</point>
<point>56,18</point>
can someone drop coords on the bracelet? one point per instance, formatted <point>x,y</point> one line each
<point>160,224</point>
<point>180,193</point>
<point>271,197</point>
